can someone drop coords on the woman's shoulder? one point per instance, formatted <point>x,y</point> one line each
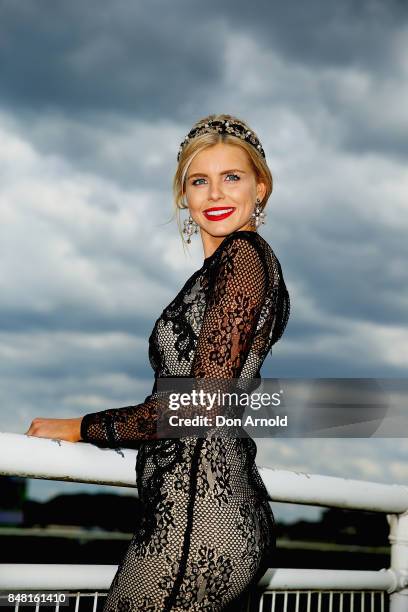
<point>243,244</point>
<point>242,255</point>
<point>248,250</point>
<point>247,255</point>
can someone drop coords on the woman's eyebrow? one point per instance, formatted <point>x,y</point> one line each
<point>221,173</point>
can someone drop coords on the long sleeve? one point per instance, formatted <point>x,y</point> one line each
<point>236,293</point>
<point>232,312</point>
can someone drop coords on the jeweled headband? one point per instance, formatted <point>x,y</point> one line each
<point>223,126</point>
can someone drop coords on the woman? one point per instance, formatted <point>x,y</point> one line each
<point>207,532</point>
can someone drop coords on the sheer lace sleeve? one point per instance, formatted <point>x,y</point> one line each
<point>236,293</point>
<point>234,304</point>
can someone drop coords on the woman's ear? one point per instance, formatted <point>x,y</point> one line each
<point>260,191</point>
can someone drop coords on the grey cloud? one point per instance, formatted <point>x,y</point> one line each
<point>320,33</point>
<point>71,318</point>
<point>128,57</point>
<point>75,393</point>
<point>110,89</point>
<point>109,146</point>
<point>327,365</point>
<point>354,267</point>
<point>86,71</point>
<point>162,59</point>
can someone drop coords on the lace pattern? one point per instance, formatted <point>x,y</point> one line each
<point>207,529</point>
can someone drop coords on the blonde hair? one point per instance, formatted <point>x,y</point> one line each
<point>199,143</point>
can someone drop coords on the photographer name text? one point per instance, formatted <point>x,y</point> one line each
<point>220,421</point>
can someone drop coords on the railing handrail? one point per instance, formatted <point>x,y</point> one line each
<point>33,457</point>
<point>65,576</point>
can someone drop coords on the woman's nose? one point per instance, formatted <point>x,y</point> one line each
<point>215,191</point>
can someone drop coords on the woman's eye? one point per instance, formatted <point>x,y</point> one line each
<point>235,178</point>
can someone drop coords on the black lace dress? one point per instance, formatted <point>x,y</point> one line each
<point>207,532</point>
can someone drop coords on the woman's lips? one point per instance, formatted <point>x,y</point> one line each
<point>218,214</point>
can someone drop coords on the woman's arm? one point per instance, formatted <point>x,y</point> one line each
<point>236,295</point>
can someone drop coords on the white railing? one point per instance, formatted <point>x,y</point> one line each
<point>33,457</point>
<point>286,584</point>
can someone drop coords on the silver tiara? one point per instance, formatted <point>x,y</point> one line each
<point>223,127</point>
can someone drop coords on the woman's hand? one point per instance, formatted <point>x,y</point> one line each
<point>62,429</point>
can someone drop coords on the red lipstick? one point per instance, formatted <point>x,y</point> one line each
<point>218,213</point>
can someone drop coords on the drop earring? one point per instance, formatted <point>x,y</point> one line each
<point>190,228</point>
<point>258,216</point>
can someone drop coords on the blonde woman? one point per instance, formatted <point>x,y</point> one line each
<point>207,533</point>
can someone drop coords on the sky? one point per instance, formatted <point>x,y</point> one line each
<point>95,99</point>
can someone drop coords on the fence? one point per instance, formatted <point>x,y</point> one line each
<point>279,590</point>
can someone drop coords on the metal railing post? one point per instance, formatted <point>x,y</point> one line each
<point>398,538</point>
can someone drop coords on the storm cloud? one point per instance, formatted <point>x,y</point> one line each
<point>95,99</point>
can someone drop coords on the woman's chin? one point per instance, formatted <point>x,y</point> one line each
<point>220,228</point>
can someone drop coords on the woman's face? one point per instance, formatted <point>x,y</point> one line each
<point>221,178</point>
